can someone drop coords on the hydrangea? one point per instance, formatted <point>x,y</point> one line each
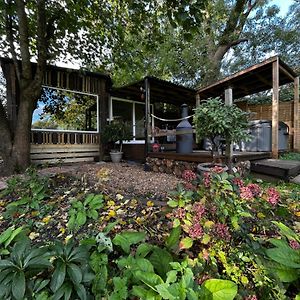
<point>222,231</point>
<point>255,189</point>
<point>294,245</point>
<point>206,179</point>
<point>198,210</point>
<point>196,231</point>
<point>179,213</point>
<point>238,182</point>
<point>246,193</point>
<point>189,175</point>
<point>273,196</point>
<point>217,169</point>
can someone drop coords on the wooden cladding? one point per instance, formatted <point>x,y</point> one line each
<point>73,81</point>
<point>59,138</point>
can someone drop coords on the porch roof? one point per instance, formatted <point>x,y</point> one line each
<point>160,91</point>
<point>254,79</point>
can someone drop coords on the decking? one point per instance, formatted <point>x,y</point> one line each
<point>202,156</point>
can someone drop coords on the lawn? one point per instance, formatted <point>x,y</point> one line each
<point>99,235</point>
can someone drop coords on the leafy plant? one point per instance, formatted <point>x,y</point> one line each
<point>19,270</point>
<point>213,118</point>
<point>7,237</point>
<point>28,192</point>
<point>285,256</point>
<point>116,131</point>
<point>82,210</point>
<point>71,271</point>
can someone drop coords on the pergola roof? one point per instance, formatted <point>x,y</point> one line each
<point>249,81</point>
<point>160,91</point>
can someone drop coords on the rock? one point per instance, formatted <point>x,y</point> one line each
<point>296,179</point>
<point>3,185</point>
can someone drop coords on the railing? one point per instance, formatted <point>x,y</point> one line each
<point>47,136</point>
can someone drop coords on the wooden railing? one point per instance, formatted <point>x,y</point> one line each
<point>46,136</point>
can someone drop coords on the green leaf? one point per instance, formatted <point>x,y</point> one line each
<point>6,234</point>
<point>172,240</point>
<point>297,297</point>
<point>172,203</point>
<point>80,218</point>
<point>5,263</point>
<point>143,250</point>
<point>148,278</point>
<point>75,273</point>
<point>186,243</point>
<point>221,289</point>
<point>286,231</point>
<point>126,239</point>
<point>288,258</point>
<point>93,214</point>
<point>162,289</point>
<point>58,276</point>
<point>18,285</point>
<point>160,259</point>
<point>81,292</point>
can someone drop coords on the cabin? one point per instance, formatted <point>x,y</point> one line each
<point>77,104</point>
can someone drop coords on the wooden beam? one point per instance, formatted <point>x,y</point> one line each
<point>286,72</point>
<point>296,124</point>
<point>275,107</point>
<point>229,148</point>
<point>198,100</point>
<point>147,116</point>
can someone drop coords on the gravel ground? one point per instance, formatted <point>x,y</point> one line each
<point>124,178</point>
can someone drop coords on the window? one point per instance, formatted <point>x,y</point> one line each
<point>65,110</point>
<point>132,112</point>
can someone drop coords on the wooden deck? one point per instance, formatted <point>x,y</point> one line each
<point>283,169</point>
<point>202,156</point>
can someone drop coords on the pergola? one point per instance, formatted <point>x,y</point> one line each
<point>269,74</point>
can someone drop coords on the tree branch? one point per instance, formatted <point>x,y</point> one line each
<point>24,40</point>
<point>237,42</point>
<point>10,38</point>
<point>42,42</point>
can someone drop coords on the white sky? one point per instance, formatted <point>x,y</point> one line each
<point>283,5</point>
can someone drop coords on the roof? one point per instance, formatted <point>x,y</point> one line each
<point>254,79</point>
<point>63,69</point>
<point>160,91</point>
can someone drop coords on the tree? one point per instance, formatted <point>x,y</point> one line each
<point>44,31</point>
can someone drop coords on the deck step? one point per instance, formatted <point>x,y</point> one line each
<point>283,169</point>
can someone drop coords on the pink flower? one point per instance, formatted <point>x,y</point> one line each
<point>255,189</point>
<point>199,210</point>
<point>217,169</point>
<point>206,179</point>
<point>253,297</point>
<point>196,231</point>
<point>222,231</point>
<point>189,186</point>
<point>179,213</point>
<point>239,182</point>
<point>246,193</point>
<point>273,196</point>
<point>189,175</point>
<point>294,245</point>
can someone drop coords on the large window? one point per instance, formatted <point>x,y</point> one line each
<point>132,112</point>
<point>65,110</point>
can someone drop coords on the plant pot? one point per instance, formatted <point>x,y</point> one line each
<point>116,156</point>
<point>207,167</point>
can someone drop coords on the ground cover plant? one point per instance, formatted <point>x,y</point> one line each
<point>216,237</point>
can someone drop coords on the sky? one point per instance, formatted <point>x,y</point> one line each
<point>283,5</point>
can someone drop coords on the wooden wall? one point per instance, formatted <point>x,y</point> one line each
<point>264,112</point>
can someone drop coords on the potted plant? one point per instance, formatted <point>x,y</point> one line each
<point>115,133</point>
<point>213,119</point>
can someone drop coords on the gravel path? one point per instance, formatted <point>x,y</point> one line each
<point>122,178</point>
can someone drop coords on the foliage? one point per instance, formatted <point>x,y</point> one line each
<point>213,118</point>
<point>29,192</point>
<point>290,156</point>
<point>81,210</point>
<point>19,270</point>
<point>7,237</point>
<point>117,131</point>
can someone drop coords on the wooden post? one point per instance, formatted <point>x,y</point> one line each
<point>275,108</point>
<point>147,116</point>
<point>197,100</point>
<point>229,148</point>
<point>296,125</point>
